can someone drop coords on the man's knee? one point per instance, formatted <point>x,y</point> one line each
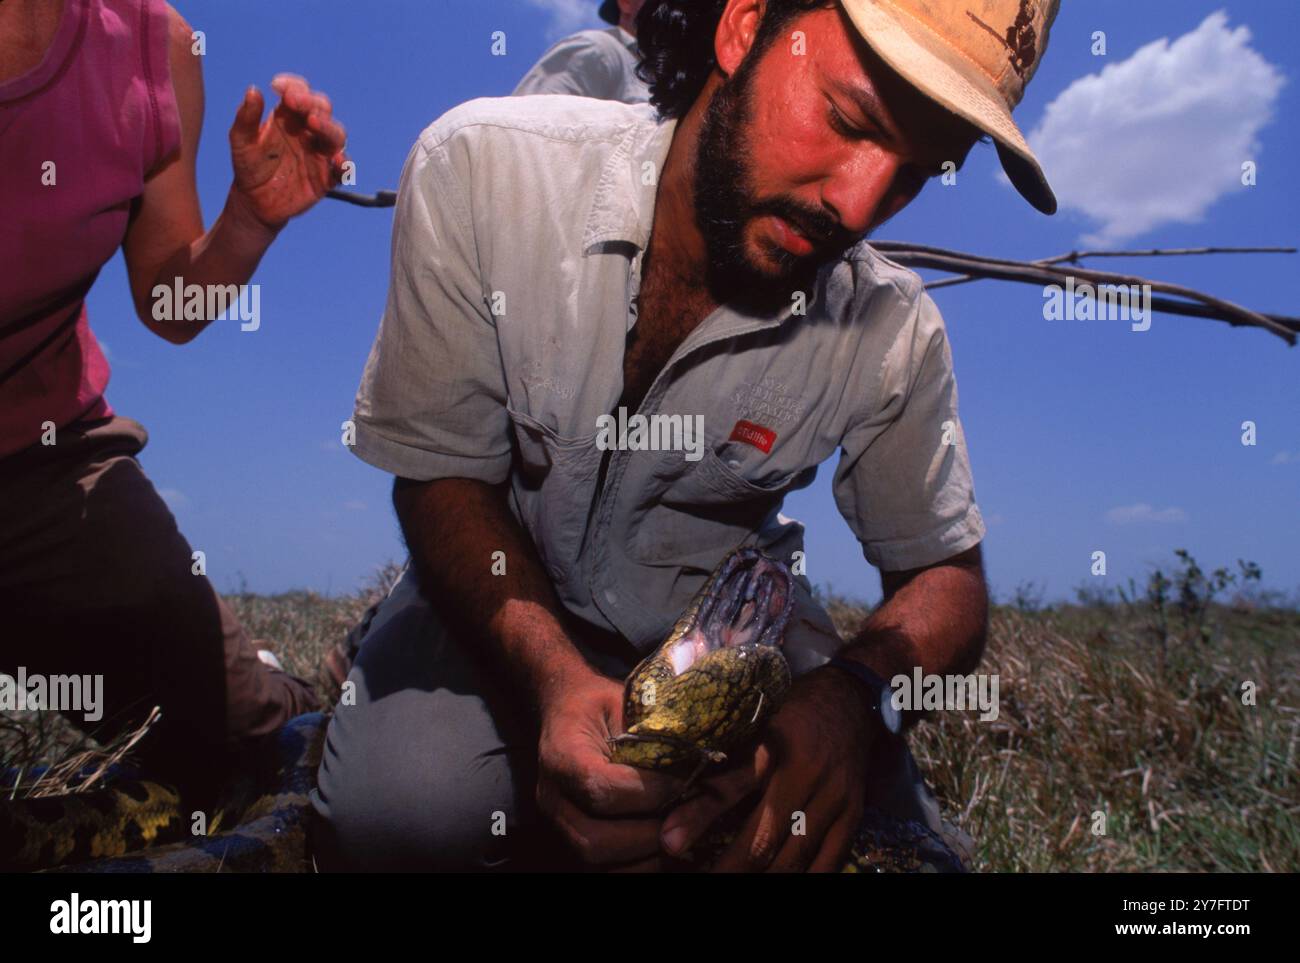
<point>418,773</point>
<point>390,815</point>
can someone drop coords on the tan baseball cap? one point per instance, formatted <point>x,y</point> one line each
<point>972,57</point>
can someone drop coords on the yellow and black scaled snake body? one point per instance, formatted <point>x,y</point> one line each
<point>138,826</point>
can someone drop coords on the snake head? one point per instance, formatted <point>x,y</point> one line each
<point>719,675</point>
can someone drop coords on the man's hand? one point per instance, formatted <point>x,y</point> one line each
<point>610,814</point>
<point>813,760</point>
<point>285,165</point>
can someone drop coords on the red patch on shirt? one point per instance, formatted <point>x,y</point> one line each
<point>752,434</point>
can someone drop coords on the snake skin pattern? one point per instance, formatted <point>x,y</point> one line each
<point>135,826</point>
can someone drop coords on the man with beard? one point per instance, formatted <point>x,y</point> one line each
<point>556,259</point>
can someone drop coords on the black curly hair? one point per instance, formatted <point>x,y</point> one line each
<point>676,42</point>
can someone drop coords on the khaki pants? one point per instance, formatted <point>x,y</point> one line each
<point>95,579</point>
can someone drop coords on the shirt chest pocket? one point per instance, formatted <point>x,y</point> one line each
<point>726,478</point>
<point>708,505</point>
<point>554,483</point>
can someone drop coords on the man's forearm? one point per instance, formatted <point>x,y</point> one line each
<point>937,619</point>
<point>452,527</point>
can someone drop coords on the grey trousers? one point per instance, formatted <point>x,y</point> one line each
<point>437,756</point>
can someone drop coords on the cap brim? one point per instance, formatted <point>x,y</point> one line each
<point>933,67</point>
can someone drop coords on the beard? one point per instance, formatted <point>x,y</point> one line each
<point>726,204</point>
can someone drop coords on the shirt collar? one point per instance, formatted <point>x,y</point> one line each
<point>623,204</point>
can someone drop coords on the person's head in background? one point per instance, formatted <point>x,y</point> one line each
<point>621,13</point>
<point>806,140</point>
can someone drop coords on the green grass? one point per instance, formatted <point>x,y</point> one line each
<point>1100,710</point>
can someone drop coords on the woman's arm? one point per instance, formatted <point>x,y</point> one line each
<point>282,167</point>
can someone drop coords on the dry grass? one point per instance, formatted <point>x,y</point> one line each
<point>1093,718</point>
<point>302,626</point>
<point>43,755</point>
<point>1095,715</point>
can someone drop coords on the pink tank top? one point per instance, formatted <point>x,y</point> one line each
<point>78,134</point>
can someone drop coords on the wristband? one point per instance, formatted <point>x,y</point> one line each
<point>881,702</point>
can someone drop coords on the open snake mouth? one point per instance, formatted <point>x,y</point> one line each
<point>748,603</point>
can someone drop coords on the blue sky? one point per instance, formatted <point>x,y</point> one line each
<point>1083,435</point>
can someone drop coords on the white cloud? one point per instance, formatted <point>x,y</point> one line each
<point>175,498</point>
<point>1142,512</point>
<point>1159,137</point>
<point>568,16</point>
<point>355,505</point>
<point>1286,458</point>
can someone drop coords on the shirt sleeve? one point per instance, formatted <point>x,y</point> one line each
<point>432,398</point>
<point>580,65</point>
<point>903,482</point>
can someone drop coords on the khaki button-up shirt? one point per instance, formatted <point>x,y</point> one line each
<point>516,255</point>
